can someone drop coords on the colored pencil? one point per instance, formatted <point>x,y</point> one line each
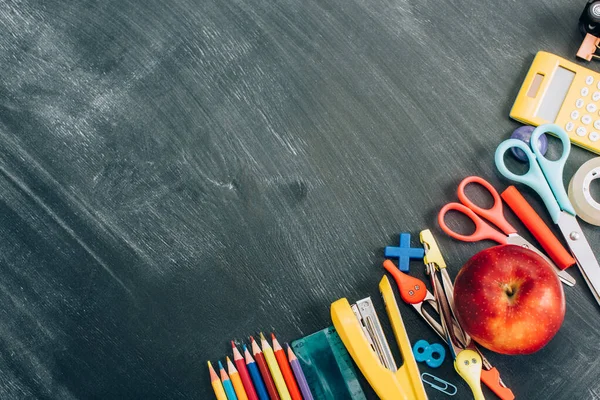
<point>299,374</point>
<point>284,393</point>
<point>264,370</point>
<point>236,381</point>
<point>244,375</point>
<point>286,371</point>
<point>229,391</point>
<point>259,385</point>
<point>216,383</point>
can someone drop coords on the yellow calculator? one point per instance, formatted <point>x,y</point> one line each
<point>559,91</point>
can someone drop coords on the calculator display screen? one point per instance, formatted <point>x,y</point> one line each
<point>556,93</point>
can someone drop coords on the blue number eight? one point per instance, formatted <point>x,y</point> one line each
<point>424,352</point>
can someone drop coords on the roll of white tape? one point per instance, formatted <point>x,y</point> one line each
<point>587,208</point>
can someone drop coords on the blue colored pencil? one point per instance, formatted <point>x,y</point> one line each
<point>259,385</point>
<point>227,385</point>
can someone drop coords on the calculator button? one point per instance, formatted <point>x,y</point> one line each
<point>586,119</point>
<point>591,107</point>
<point>597,124</point>
<point>598,85</point>
<point>585,91</point>
<point>579,103</point>
<point>581,131</point>
<point>589,80</point>
<point>575,115</point>
<point>596,96</point>
<point>594,136</point>
<point>570,126</point>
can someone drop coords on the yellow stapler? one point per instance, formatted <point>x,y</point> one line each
<point>403,383</point>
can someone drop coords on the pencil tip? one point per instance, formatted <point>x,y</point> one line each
<point>220,365</point>
<point>245,348</point>
<point>232,345</point>
<point>262,337</point>
<point>273,336</point>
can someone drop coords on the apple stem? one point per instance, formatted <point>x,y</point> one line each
<point>510,290</point>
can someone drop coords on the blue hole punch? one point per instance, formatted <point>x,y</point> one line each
<point>404,253</point>
<point>425,352</point>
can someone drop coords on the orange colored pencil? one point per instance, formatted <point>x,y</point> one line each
<point>236,381</point>
<point>264,370</point>
<point>286,371</point>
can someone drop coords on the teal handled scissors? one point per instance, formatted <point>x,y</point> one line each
<point>546,178</point>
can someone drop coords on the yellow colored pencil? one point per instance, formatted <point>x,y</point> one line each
<point>274,368</point>
<point>216,383</point>
<point>236,381</point>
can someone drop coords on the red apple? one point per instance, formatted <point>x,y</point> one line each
<point>509,299</point>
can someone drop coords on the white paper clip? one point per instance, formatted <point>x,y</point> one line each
<point>434,384</point>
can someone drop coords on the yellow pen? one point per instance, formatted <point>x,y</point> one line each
<point>274,368</point>
<point>216,383</point>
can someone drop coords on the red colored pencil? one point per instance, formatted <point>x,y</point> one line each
<point>286,371</point>
<point>243,371</point>
<point>264,370</point>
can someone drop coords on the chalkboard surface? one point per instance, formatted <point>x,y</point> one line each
<point>177,174</point>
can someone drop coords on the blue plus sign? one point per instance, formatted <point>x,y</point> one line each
<point>404,253</point>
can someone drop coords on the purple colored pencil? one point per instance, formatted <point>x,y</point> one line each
<point>299,374</point>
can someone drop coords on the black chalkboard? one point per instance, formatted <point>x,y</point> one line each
<point>177,174</point>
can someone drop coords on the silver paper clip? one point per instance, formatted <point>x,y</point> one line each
<point>433,384</point>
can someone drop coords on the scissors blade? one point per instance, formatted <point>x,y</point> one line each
<point>518,240</point>
<point>586,260</point>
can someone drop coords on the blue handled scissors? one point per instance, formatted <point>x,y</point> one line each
<point>546,178</point>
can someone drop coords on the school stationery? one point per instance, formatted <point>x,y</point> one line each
<point>299,375</point>
<point>227,385</point>
<point>259,384</point>
<point>586,207</point>
<point>327,366</point>
<point>439,384</point>
<point>401,384</point>
<point>467,361</point>
<point>286,370</point>
<point>538,228</point>
<point>559,91</point>
<point>244,374</point>
<point>404,253</point>
<point>216,383</point>
<point>546,178</point>
<point>264,370</point>
<point>432,354</point>
<point>236,381</point>
<point>282,389</point>
<point>414,292</point>
<point>495,215</point>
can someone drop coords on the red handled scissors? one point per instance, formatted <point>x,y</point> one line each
<point>495,216</point>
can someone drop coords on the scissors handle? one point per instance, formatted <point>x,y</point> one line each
<point>544,176</point>
<point>482,230</point>
<point>495,214</point>
<point>554,170</point>
<point>534,177</point>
